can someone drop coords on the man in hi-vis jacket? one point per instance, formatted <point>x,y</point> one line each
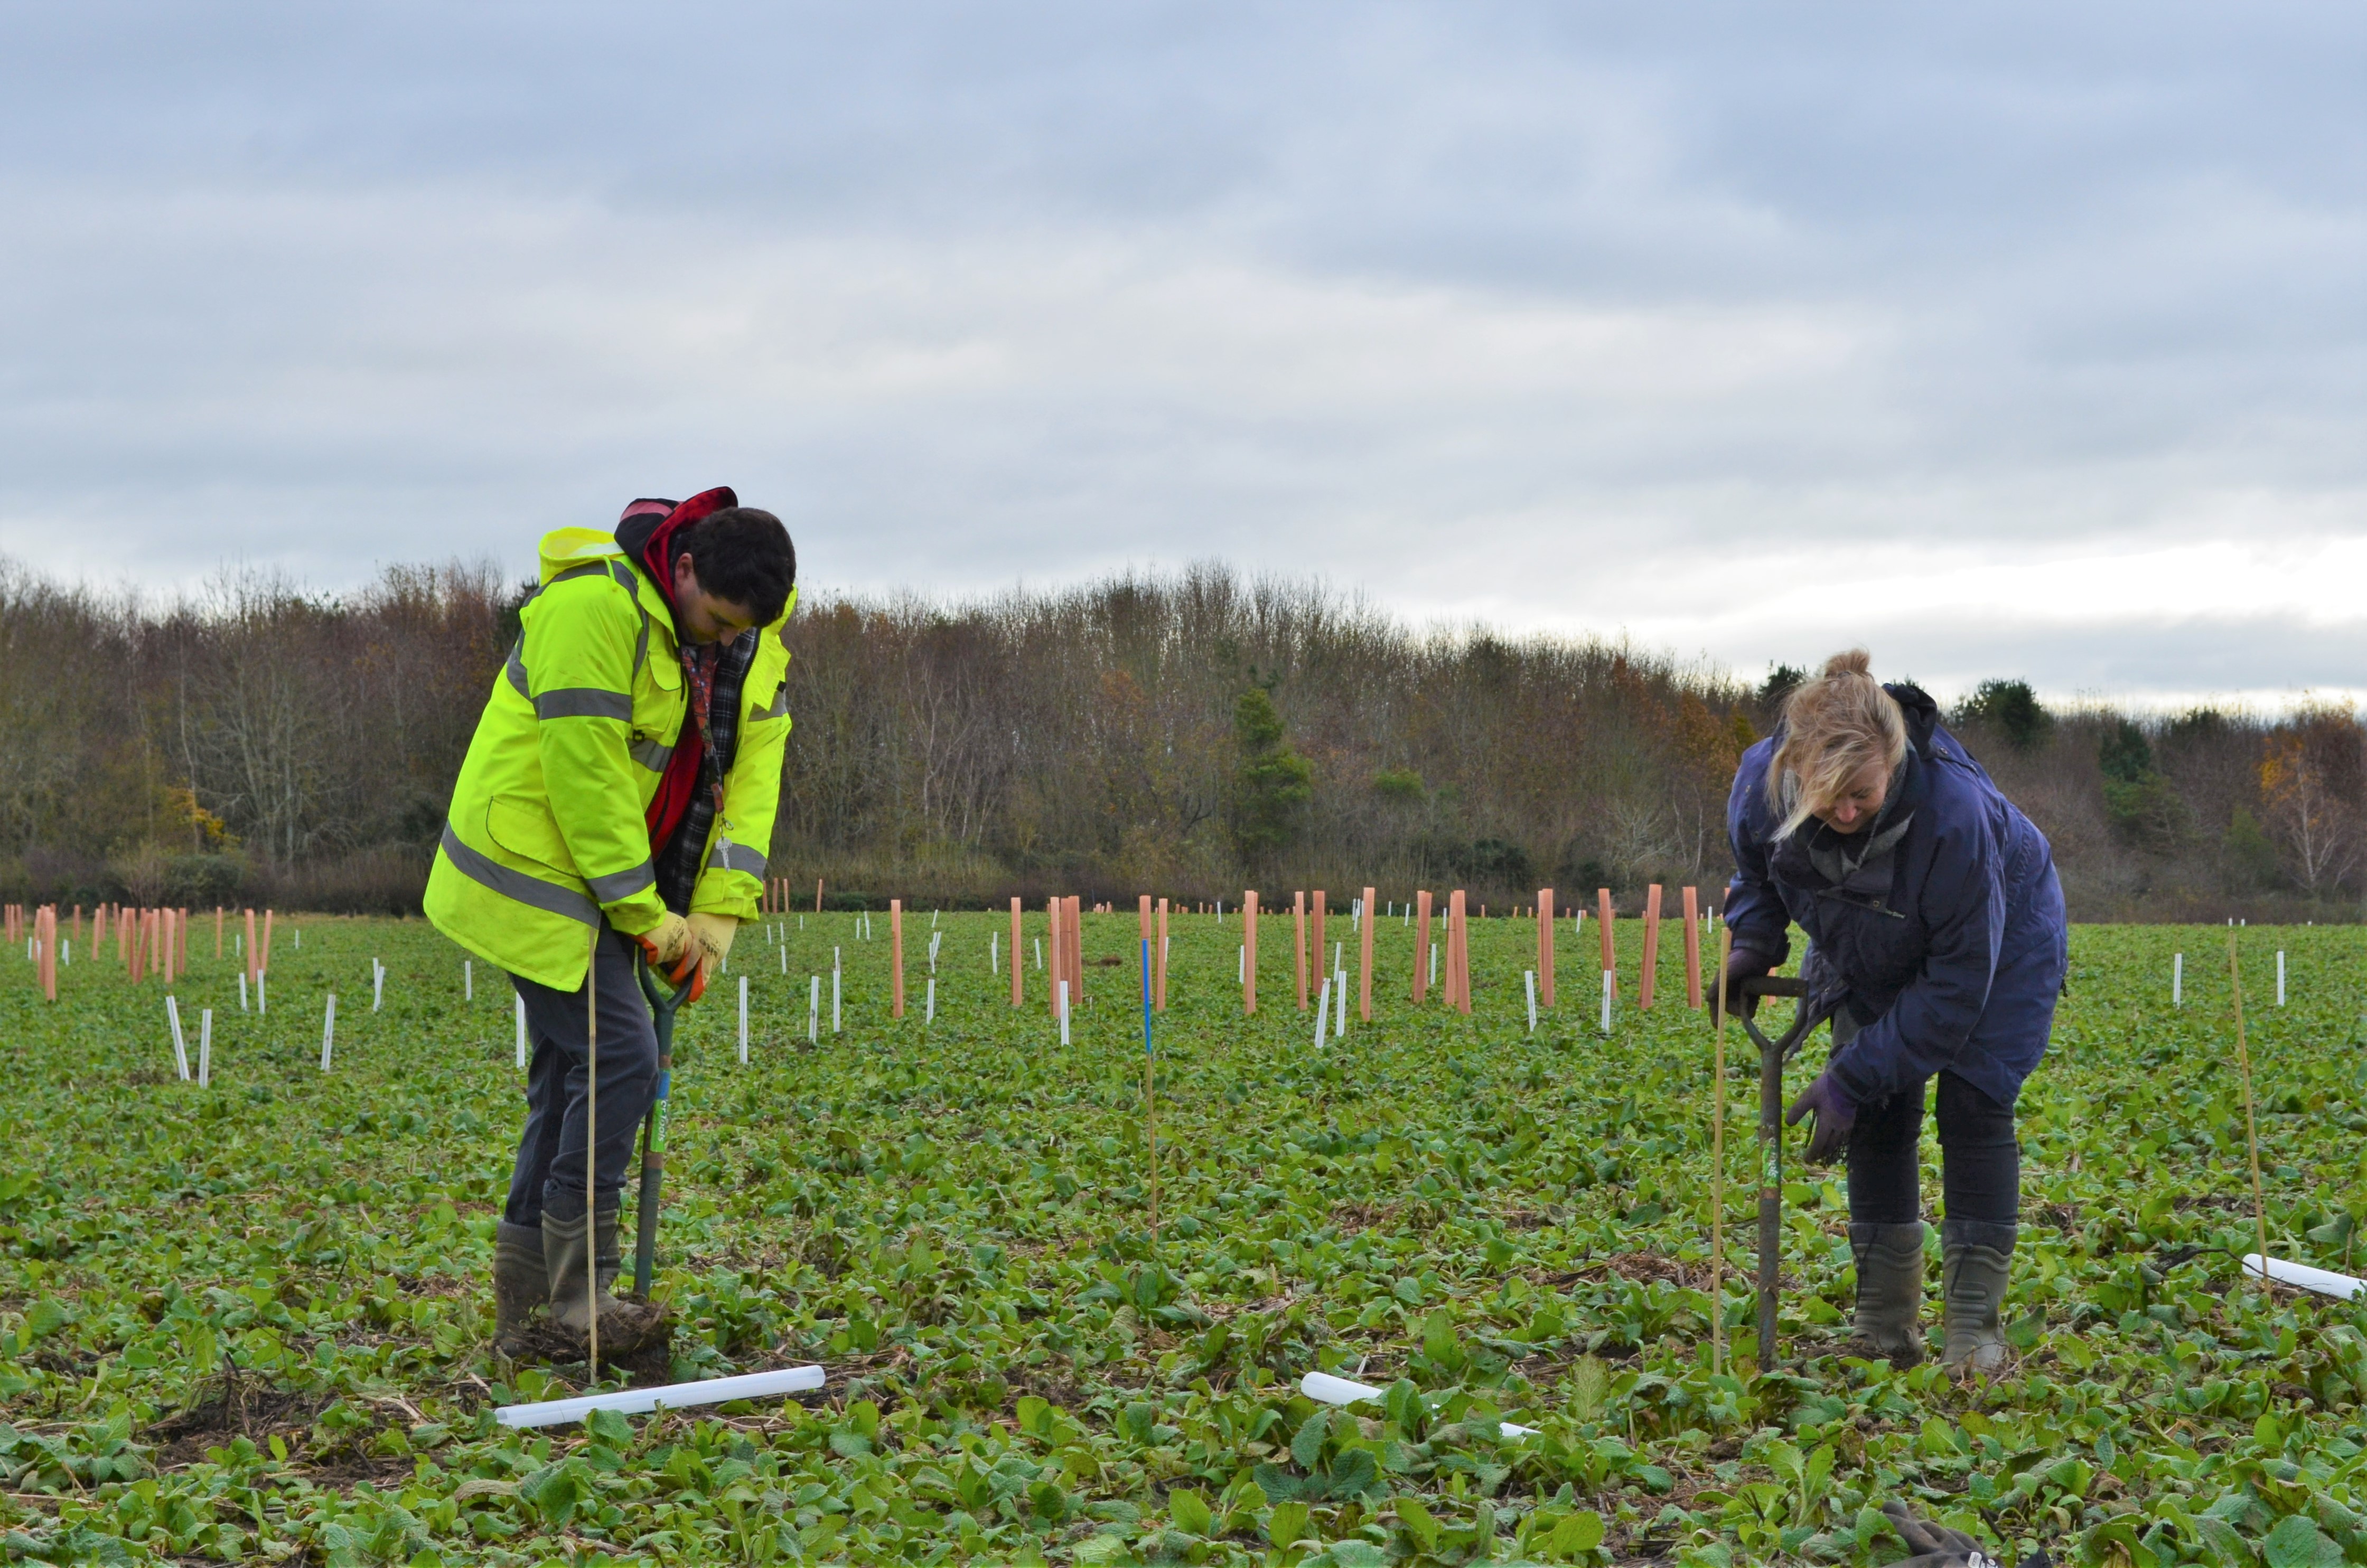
<point>617,797</point>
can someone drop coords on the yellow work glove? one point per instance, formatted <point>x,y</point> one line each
<point>714,933</point>
<point>671,945</point>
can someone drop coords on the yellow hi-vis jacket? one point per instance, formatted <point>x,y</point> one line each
<point>548,828</point>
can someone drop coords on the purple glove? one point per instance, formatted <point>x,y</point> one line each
<point>1835,1116</point>
<point>1937,1547</point>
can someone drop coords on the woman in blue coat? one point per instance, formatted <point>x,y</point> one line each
<point>1936,935</point>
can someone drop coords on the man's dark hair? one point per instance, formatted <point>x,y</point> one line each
<point>743,555</point>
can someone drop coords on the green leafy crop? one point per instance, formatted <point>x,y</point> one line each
<point>249,1321</point>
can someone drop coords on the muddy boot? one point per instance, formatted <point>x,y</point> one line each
<point>520,1283</point>
<point>1976,1259</point>
<point>1889,1293</point>
<point>567,1249</point>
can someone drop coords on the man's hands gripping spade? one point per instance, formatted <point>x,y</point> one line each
<point>675,952</point>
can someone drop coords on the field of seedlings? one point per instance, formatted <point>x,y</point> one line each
<point>249,1321</point>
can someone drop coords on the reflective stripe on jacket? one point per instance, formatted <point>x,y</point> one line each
<point>547,830</point>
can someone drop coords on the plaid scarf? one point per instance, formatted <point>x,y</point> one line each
<point>713,676</point>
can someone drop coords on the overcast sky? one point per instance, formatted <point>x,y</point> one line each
<point>2009,340</point>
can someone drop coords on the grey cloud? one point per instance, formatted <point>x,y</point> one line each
<point>1489,308</point>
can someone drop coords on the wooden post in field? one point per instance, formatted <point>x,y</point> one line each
<point>1298,943</point>
<point>1422,947</point>
<point>1545,947</point>
<point>1143,915</point>
<point>253,951</point>
<point>817,895</point>
<point>1052,957</point>
<point>1319,955</point>
<point>167,949</point>
<point>1018,964</point>
<point>1365,973</point>
<point>45,931</point>
<point>1077,948</point>
<point>1249,952</point>
<point>1692,949</point>
<point>1459,954</point>
<point>1651,946</point>
<point>217,932</point>
<point>1159,957</point>
<point>1610,950</point>
<point>895,958</point>
<point>266,942</point>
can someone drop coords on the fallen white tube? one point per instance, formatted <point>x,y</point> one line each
<point>674,1396</point>
<point>2325,1281</point>
<point>1329,1390</point>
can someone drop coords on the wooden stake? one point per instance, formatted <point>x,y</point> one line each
<point>1651,946</point>
<point>1718,1168</point>
<point>1692,949</point>
<point>817,895</point>
<point>1319,956</point>
<point>1422,947</point>
<point>1056,954</point>
<point>1603,924</point>
<point>1298,943</point>
<point>1158,997</point>
<point>1249,952</point>
<point>2251,1128</point>
<point>1365,973</point>
<point>1458,953</point>
<point>895,958</point>
<point>1075,929</point>
<point>253,950</point>
<point>1018,969</point>
<point>265,968</point>
<point>1546,947</point>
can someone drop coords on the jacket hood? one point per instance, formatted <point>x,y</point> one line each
<point>1922,713</point>
<point>648,530</point>
<point>564,550</point>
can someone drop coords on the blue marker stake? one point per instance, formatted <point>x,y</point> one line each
<point>1150,1092</point>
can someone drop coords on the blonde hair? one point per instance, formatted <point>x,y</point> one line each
<point>1834,723</point>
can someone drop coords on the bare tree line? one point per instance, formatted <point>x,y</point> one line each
<point>1190,733</point>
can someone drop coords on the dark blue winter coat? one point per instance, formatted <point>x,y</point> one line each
<point>1957,962</point>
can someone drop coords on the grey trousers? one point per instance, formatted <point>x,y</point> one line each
<point>550,1170</point>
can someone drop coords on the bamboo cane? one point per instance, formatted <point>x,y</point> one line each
<point>2251,1128</point>
<point>1718,1168</point>
<point>591,1146</point>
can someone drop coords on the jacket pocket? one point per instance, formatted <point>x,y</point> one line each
<point>525,827</point>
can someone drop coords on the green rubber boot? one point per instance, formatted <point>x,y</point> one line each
<point>1889,1293</point>
<point>521,1285</point>
<point>1976,1261</point>
<point>568,1249</point>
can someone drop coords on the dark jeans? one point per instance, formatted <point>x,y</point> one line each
<point>1980,1163</point>
<point>549,1173</point>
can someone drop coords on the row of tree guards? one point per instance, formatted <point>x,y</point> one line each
<point>147,942</point>
<point>1062,954</point>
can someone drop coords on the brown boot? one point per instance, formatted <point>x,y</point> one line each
<point>568,1247</point>
<point>521,1284</point>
